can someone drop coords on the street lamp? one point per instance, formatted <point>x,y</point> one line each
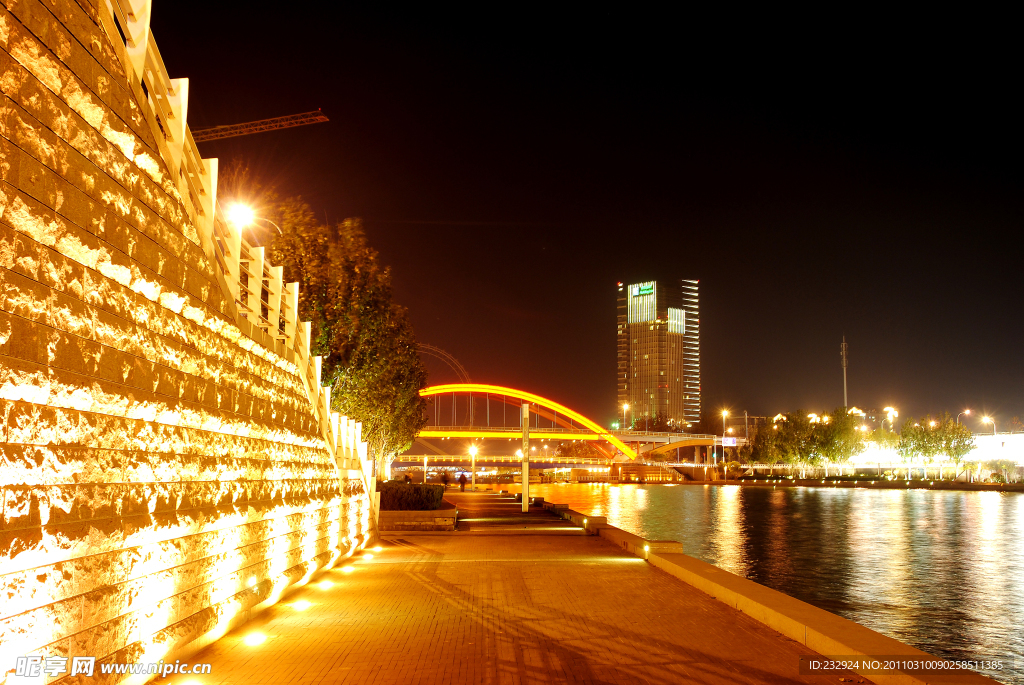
<point>725,414</point>
<point>989,419</point>
<point>890,414</point>
<point>243,215</point>
<point>472,456</point>
<point>965,412</point>
<point>624,408</point>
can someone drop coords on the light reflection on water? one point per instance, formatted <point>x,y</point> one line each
<point>942,571</point>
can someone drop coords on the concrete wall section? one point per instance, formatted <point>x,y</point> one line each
<point>165,465</point>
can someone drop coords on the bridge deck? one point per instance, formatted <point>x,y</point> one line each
<point>511,598</point>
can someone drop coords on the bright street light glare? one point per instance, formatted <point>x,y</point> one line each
<point>472,450</point>
<point>986,419</point>
<point>241,215</point>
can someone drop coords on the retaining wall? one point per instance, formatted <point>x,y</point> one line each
<point>167,463</point>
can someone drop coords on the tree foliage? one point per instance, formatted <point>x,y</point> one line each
<point>795,438</point>
<point>581,449</point>
<point>930,437</point>
<point>367,343</point>
<point>766,446</point>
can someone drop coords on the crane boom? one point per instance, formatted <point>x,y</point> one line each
<point>233,130</point>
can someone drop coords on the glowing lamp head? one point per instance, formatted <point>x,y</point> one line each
<point>967,411</point>
<point>625,406</point>
<point>931,424</point>
<point>472,450</point>
<point>241,215</point>
<point>725,412</point>
<point>986,419</point>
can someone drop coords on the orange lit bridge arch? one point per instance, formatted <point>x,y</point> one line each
<point>564,420</point>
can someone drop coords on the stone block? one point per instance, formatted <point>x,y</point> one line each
<point>22,339</point>
<point>25,297</point>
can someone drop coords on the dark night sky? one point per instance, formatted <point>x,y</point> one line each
<point>512,164</point>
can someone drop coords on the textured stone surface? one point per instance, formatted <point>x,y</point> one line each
<point>161,465</point>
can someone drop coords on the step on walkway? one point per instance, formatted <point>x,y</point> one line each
<point>484,605</point>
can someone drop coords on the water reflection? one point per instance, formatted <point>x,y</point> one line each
<point>942,571</point>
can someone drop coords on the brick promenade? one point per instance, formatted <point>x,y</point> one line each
<point>507,599</point>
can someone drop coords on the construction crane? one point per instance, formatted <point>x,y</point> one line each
<point>233,130</point>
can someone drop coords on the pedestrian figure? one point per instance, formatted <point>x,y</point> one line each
<point>462,481</point>
<point>407,478</point>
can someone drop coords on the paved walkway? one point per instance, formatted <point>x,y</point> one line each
<point>507,599</point>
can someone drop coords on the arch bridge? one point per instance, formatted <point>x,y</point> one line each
<point>479,411</point>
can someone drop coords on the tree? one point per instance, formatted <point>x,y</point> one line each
<point>581,449</point>
<point>1015,425</point>
<point>885,438</point>
<point>921,439</point>
<point>369,350</point>
<point>661,424</point>
<point>796,438</point>
<point>957,440</point>
<point>765,447</point>
<point>838,439</point>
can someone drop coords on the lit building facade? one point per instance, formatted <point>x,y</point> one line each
<point>658,351</point>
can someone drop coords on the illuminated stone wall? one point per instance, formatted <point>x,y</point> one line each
<point>167,463</point>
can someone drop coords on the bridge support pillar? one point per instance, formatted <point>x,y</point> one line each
<point>526,457</point>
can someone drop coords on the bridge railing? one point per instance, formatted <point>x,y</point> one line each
<point>510,429</point>
<point>511,459</point>
<point>663,434</point>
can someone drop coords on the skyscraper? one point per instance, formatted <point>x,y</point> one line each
<point>658,351</point>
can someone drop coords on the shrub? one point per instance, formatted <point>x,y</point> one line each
<point>398,496</point>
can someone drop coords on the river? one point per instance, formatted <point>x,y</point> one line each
<point>939,570</point>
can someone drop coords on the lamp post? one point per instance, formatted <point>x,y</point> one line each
<point>965,412</point>
<point>725,414</point>
<point>989,419</point>
<point>243,215</point>
<point>472,458</point>
<point>624,408</point>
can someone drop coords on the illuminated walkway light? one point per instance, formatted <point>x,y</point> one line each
<point>253,639</point>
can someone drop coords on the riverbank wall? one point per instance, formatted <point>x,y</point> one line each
<point>875,485</point>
